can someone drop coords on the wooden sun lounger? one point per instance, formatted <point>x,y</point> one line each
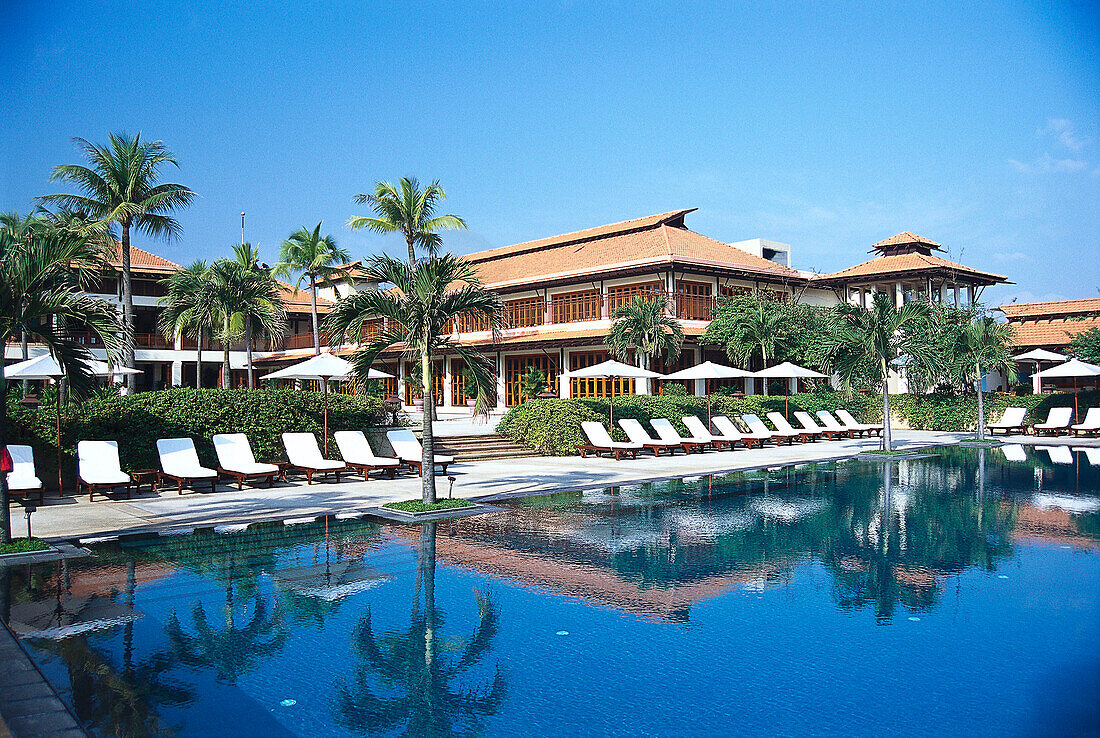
<point>600,441</point>
<point>668,433</point>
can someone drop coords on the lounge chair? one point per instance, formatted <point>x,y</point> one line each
<point>718,440</point>
<point>668,432</point>
<point>22,479</point>
<point>409,450</point>
<point>235,460</point>
<point>729,429</point>
<point>1090,425</point>
<point>358,454</point>
<point>98,467</point>
<point>1091,453</point>
<point>180,463</point>
<point>599,441</point>
<point>1058,420</point>
<point>1014,452</point>
<point>850,422</point>
<point>756,425</point>
<point>1012,419</point>
<point>781,424</point>
<point>303,454</point>
<point>637,434</point>
<point>832,424</point>
<point>810,424</point>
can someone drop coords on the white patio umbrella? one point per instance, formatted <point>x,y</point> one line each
<point>1038,357</point>
<point>45,367</point>
<point>322,368</point>
<point>787,370</point>
<point>612,369</point>
<point>707,371</point>
<point>1073,368</point>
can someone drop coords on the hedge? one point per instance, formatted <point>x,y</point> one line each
<point>553,426</point>
<point>137,421</point>
<point>944,412</point>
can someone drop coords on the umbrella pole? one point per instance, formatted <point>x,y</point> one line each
<point>611,421</point>
<point>324,391</point>
<point>58,437</point>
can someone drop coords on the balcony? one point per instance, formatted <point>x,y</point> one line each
<point>152,341</point>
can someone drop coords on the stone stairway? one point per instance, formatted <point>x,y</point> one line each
<point>481,448</point>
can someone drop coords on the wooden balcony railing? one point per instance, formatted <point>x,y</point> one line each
<point>152,340</point>
<point>576,307</point>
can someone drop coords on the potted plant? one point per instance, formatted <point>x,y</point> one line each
<point>532,384</point>
<point>469,382</point>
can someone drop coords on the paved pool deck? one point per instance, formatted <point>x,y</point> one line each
<point>72,517</point>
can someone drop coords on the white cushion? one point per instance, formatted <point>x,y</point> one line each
<point>235,455</point>
<point>22,476</point>
<point>302,451</point>
<point>179,459</point>
<point>97,463</point>
<point>355,449</point>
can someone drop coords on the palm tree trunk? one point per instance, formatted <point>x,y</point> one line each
<point>225,356</point>
<point>981,404</point>
<point>198,360</point>
<point>248,348</point>
<point>887,434</point>
<point>23,344</point>
<point>412,252</point>
<point>5,515</point>
<point>426,563</point>
<point>428,459</point>
<point>127,307</point>
<point>313,310</point>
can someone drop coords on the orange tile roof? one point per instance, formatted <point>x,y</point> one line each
<point>654,242</point>
<point>1051,332</point>
<point>143,261</point>
<point>298,300</point>
<point>1054,307</point>
<point>906,238</point>
<point>899,264</point>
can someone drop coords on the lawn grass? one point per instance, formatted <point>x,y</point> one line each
<point>23,545</point>
<point>418,506</point>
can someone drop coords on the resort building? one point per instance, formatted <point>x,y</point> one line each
<point>559,294</point>
<point>1051,325</point>
<point>165,362</point>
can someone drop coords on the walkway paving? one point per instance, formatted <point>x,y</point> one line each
<point>28,704</point>
<point>71,517</point>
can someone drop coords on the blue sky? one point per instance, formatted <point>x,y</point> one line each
<point>825,125</point>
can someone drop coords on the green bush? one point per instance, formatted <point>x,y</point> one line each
<point>957,413</point>
<point>137,421</point>
<point>553,427</point>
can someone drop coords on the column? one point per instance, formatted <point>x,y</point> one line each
<point>969,294</point>
<point>565,387</point>
<point>447,379</point>
<point>500,382</point>
<point>956,304</point>
<point>750,385</point>
<point>177,373</point>
<point>899,295</point>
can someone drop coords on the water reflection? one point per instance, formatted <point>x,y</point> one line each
<point>187,633</point>
<point>404,679</point>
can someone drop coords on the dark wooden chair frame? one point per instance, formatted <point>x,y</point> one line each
<point>241,476</point>
<point>189,481</point>
<point>93,486</point>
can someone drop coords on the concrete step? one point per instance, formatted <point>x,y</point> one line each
<point>481,448</point>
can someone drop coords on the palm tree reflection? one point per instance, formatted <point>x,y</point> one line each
<point>406,679</point>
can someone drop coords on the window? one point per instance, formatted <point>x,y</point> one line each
<point>575,307</point>
<point>694,300</point>
<point>625,293</point>
<point>595,387</point>
<point>413,388</point>
<point>524,313</point>
<point>516,366</point>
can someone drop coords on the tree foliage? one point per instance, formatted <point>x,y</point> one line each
<point>1086,346</point>
<point>408,210</point>
<point>644,327</point>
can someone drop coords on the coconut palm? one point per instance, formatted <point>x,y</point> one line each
<point>408,210</point>
<point>418,314</point>
<point>318,258</point>
<point>983,346</point>
<point>122,185</point>
<point>40,289</point>
<point>864,342</point>
<point>756,332</point>
<point>243,297</point>
<point>188,310</point>
<point>248,257</point>
<point>644,327</point>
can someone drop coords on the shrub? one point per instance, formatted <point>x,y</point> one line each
<point>137,421</point>
<point>673,389</point>
<point>957,413</point>
<point>553,427</point>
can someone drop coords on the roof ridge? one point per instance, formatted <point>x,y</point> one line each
<point>594,233</point>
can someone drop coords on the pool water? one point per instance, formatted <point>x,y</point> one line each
<point>956,594</point>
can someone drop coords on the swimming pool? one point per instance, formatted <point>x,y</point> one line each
<point>953,594</point>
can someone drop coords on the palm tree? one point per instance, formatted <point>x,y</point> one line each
<point>317,257</point>
<point>122,185</point>
<point>188,309</point>
<point>408,210</point>
<point>248,257</point>
<point>864,342</point>
<point>242,296</point>
<point>983,346</point>
<point>756,331</point>
<point>40,290</point>
<point>417,314</point>
<point>644,327</point>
